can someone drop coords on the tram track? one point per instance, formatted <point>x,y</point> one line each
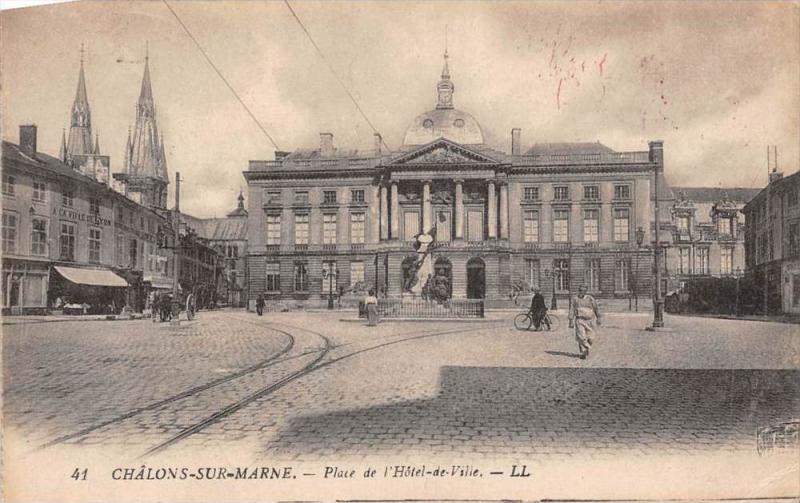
<point>263,364</point>
<point>291,332</point>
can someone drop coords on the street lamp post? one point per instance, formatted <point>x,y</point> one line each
<point>639,241</point>
<point>658,302</point>
<point>736,305</point>
<point>331,276</point>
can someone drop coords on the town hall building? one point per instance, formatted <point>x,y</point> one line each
<point>555,216</point>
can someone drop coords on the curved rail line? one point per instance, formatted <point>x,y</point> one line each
<point>266,363</point>
<point>305,370</point>
<point>230,409</point>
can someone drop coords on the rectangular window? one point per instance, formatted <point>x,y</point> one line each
<point>68,197</point>
<point>701,260</point>
<point>683,223</point>
<point>357,196</point>
<point>329,197</point>
<point>474,226</point>
<point>410,225</point>
<point>684,262</point>
<point>356,272</point>
<point>791,198</point>
<point>272,197</point>
<point>592,273</point>
<point>39,191</point>
<point>794,239</point>
<point>9,232</point>
<point>530,226</point>
<point>621,225</point>
<point>591,192</point>
<point>532,272</point>
<point>561,274</point>
<point>622,191</point>
<point>67,241</point>
<point>9,185</point>
<point>726,261</point>
<point>94,205</point>
<point>94,245</point>
<point>357,228</point>
<point>120,214</point>
<point>133,249</point>
<point>273,277</point>
<point>590,225</point>
<point>119,250</point>
<point>300,277</point>
<point>273,229</point>
<point>39,237</point>
<point>623,271</point>
<point>561,193</point>
<point>301,229</point>
<point>530,193</point>
<point>560,226</point>
<point>724,226</point>
<point>329,228</point>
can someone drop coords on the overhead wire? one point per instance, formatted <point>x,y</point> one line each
<point>222,77</point>
<point>336,75</point>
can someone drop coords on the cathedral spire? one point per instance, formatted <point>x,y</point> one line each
<point>80,130</point>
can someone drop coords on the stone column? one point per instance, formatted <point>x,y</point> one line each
<point>395,222</point>
<point>426,206</point>
<point>491,211</point>
<point>384,214</point>
<point>504,211</point>
<point>459,209</point>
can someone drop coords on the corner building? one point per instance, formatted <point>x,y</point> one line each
<point>555,216</point>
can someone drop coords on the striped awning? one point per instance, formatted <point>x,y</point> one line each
<point>91,277</point>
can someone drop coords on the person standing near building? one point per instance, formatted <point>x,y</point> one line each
<point>371,303</point>
<point>260,304</point>
<point>582,317</point>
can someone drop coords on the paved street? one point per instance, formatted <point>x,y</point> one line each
<point>311,386</point>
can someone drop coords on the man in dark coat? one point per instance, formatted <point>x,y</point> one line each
<point>538,308</point>
<point>260,304</point>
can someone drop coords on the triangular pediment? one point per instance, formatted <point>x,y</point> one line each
<point>443,151</point>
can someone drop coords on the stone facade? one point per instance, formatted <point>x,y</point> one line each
<point>557,216</point>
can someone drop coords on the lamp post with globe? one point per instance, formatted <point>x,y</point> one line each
<point>639,241</point>
<point>330,273</point>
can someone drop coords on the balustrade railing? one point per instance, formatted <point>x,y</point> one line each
<point>421,309</point>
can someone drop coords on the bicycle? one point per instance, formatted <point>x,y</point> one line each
<point>524,321</point>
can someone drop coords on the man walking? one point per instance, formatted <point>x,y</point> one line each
<point>582,317</point>
<point>260,304</point>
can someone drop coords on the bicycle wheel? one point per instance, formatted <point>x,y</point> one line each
<point>553,322</point>
<point>523,321</point>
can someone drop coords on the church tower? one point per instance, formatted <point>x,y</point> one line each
<point>145,172</point>
<point>77,151</point>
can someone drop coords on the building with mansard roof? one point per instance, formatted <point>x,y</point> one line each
<point>329,220</point>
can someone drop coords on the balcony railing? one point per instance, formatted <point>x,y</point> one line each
<point>588,158</point>
<point>415,308</point>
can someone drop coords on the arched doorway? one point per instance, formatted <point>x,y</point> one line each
<point>443,268</point>
<point>476,278</point>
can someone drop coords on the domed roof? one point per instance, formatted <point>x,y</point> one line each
<point>449,123</point>
<point>444,121</point>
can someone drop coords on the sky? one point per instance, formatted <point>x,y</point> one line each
<point>716,81</point>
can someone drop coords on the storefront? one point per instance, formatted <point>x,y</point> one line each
<point>100,291</point>
<point>24,287</point>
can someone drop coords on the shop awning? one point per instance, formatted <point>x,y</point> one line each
<point>92,277</point>
<point>159,282</point>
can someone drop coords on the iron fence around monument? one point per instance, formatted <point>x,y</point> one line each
<point>423,309</point>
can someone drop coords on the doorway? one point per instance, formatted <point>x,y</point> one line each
<point>476,279</point>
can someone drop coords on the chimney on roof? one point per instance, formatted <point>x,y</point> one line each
<point>657,153</point>
<point>326,144</point>
<point>515,139</point>
<point>378,141</point>
<point>27,139</point>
